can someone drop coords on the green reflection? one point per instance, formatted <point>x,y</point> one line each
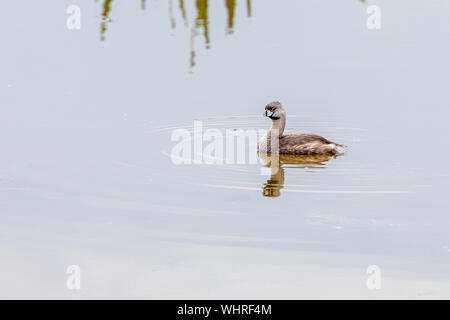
<point>200,25</point>
<point>105,18</point>
<point>183,13</point>
<point>202,19</point>
<point>171,16</point>
<point>230,5</point>
<point>200,22</point>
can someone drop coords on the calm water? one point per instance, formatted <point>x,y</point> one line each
<point>86,176</point>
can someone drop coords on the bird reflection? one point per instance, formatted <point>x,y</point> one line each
<point>277,164</point>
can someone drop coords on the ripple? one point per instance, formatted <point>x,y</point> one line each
<point>311,191</point>
<point>323,173</point>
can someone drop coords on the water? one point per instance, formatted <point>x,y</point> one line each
<point>86,176</point>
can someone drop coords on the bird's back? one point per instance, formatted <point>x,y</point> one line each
<point>307,144</point>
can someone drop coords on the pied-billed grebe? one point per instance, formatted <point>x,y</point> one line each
<point>302,144</point>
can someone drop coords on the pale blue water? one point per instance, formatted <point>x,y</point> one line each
<point>85,131</point>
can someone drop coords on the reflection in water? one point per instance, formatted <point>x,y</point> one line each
<point>183,13</point>
<point>171,17</point>
<point>231,5</point>
<point>202,19</point>
<point>105,18</point>
<point>200,23</point>
<point>276,182</point>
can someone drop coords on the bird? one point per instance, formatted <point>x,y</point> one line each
<point>296,144</point>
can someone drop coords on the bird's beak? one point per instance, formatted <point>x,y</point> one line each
<point>268,113</point>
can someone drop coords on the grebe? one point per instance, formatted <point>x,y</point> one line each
<point>301,144</point>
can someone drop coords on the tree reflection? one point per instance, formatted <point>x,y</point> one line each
<point>231,5</point>
<point>199,26</point>
<point>202,19</point>
<point>105,18</point>
<point>200,23</point>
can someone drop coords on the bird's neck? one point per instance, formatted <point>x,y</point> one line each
<point>277,127</point>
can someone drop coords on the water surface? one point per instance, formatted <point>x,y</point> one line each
<point>86,176</point>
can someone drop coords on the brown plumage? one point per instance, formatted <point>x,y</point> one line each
<point>296,144</point>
